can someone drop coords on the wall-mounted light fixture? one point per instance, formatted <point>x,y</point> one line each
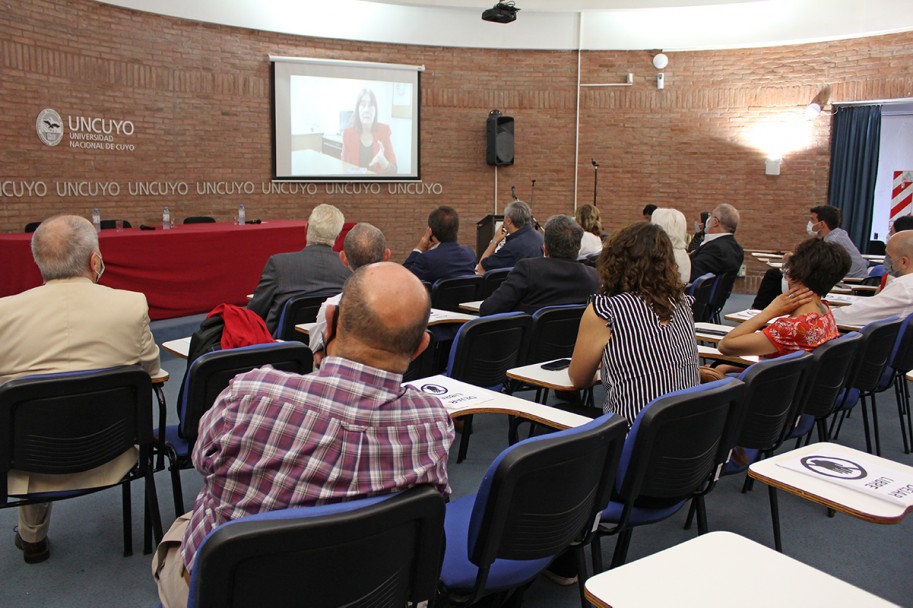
<point>660,61</point>
<point>815,108</point>
<point>772,166</point>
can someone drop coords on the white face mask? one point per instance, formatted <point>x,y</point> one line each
<point>810,228</point>
<point>101,270</point>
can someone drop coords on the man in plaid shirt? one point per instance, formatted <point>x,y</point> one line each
<point>275,440</point>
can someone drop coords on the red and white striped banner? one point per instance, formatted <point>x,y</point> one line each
<point>902,194</point>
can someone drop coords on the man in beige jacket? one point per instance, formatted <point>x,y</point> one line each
<point>71,323</point>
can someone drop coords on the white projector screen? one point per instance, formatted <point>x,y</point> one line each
<point>345,120</point>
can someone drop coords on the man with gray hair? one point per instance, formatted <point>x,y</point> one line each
<point>315,270</point>
<point>719,253</point>
<point>364,244</point>
<point>557,278</point>
<point>520,239</point>
<point>71,323</point>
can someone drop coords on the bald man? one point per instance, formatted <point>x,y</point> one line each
<point>70,323</point>
<point>275,440</point>
<point>896,299</point>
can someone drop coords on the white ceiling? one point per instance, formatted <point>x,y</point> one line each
<point>557,24</point>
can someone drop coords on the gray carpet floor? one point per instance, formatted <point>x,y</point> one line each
<point>87,568</point>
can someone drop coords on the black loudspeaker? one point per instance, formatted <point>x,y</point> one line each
<point>500,139</point>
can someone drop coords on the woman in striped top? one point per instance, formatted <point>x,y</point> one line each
<point>640,327</point>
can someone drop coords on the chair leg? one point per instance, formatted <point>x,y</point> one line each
<point>906,401</point>
<point>128,518</point>
<point>874,423</point>
<point>701,514</point>
<point>748,485</point>
<point>160,447</point>
<point>513,429</point>
<point>865,425</point>
<point>582,576</point>
<point>691,509</point>
<point>901,412</point>
<point>155,531</point>
<point>621,548</point>
<point>596,554</point>
<point>775,517</point>
<point>176,490</point>
<point>464,438</point>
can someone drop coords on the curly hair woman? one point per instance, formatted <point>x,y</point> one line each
<point>639,327</point>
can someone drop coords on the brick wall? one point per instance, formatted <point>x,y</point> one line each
<point>198,95</point>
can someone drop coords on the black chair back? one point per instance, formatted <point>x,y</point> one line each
<point>902,356</point>
<point>701,289</point>
<point>874,353</point>
<point>485,348</point>
<point>553,332</point>
<point>722,289</point>
<point>542,495</point>
<point>73,422</point>
<point>773,399</point>
<point>377,552</point>
<point>491,280</point>
<point>448,294</point>
<point>112,224</point>
<point>297,310</point>
<point>831,363</point>
<point>211,372</point>
<point>32,226</point>
<point>200,219</point>
<point>678,442</point>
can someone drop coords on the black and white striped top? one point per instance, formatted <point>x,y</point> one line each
<point>644,359</point>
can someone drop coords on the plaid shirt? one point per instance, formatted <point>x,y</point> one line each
<point>275,440</point>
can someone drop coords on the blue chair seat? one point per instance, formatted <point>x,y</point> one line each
<point>180,445</point>
<point>460,573</point>
<point>640,515</point>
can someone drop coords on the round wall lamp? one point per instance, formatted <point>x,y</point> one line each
<point>660,61</point>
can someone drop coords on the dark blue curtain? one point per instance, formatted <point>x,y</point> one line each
<point>855,137</point>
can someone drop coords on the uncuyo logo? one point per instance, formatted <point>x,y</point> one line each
<point>49,127</point>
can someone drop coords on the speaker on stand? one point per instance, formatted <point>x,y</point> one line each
<point>500,129</point>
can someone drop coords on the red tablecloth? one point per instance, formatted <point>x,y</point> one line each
<point>187,270</point>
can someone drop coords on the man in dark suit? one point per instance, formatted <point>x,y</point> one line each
<point>314,270</point>
<point>438,255</point>
<point>520,240</point>
<point>557,278</point>
<point>719,253</point>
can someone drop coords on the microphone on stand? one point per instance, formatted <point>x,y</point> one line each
<point>513,192</point>
<point>532,194</point>
<point>595,179</point>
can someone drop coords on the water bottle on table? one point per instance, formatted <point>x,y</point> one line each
<point>166,218</point>
<point>241,215</point>
<point>96,219</point>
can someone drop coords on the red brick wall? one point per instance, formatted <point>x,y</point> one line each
<point>198,95</point>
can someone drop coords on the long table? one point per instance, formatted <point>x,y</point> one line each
<point>187,270</point>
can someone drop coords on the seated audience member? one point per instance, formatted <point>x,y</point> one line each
<point>639,327</point>
<point>438,255</point>
<point>313,270</point>
<point>71,323</point>
<point>904,222</point>
<point>719,253</point>
<point>521,240</point>
<point>813,269</point>
<point>264,444</point>
<point>824,223</point>
<point>674,223</point>
<point>557,278</point>
<point>648,212</point>
<point>819,226</point>
<point>698,237</point>
<point>364,244</point>
<point>591,243</point>
<point>896,299</point>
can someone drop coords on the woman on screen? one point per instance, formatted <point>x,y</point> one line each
<point>367,142</point>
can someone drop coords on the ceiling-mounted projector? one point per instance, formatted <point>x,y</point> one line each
<point>502,12</point>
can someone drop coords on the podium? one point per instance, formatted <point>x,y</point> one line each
<point>485,231</point>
